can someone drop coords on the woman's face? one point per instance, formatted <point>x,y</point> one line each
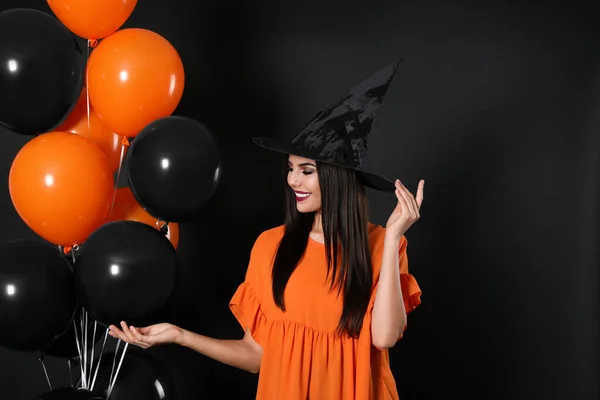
<point>304,181</point>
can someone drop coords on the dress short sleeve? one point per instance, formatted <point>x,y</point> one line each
<point>246,302</point>
<point>411,292</point>
<point>246,308</point>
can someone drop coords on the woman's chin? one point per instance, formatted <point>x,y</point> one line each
<point>305,208</point>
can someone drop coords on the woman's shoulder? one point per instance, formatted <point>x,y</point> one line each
<point>271,234</point>
<point>269,238</point>
<point>263,251</point>
<point>376,232</point>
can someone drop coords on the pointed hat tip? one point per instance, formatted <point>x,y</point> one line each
<point>394,66</point>
<point>388,72</point>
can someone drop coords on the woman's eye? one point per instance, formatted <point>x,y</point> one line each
<point>305,172</point>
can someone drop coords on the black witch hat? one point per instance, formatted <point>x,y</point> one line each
<point>338,135</point>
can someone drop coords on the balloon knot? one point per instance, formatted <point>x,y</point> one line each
<point>164,229</point>
<point>125,141</point>
<point>67,249</point>
<point>92,43</point>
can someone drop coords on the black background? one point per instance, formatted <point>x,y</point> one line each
<point>496,106</point>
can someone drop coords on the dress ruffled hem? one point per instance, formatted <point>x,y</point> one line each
<point>411,293</point>
<point>247,310</point>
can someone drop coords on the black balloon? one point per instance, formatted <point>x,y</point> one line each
<point>41,71</point>
<point>69,393</point>
<point>142,376</point>
<point>126,271</point>
<point>174,168</point>
<point>37,295</point>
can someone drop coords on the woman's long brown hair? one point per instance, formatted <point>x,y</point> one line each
<point>344,210</point>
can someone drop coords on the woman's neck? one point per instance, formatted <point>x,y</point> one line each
<point>317,227</point>
<point>316,232</point>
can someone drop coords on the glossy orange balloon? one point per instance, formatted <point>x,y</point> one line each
<point>62,187</point>
<point>127,208</point>
<point>134,77</point>
<point>92,19</point>
<point>96,131</point>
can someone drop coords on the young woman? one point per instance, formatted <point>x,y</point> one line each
<point>328,293</point>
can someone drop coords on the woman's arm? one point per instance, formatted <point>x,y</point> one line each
<point>389,314</point>
<point>245,354</point>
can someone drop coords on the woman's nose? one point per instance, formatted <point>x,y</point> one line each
<point>293,179</point>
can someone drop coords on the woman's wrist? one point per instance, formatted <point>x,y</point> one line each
<point>392,238</point>
<point>182,338</point>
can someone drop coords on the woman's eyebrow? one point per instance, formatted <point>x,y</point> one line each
<point>306,164</point>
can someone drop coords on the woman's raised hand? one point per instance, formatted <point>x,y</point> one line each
<point>148,336</point>
<point>407,211</point>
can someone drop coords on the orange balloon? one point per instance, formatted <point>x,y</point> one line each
<point>92,19</point>
<point>134,77</point>
<point>96,131</point>
<point>127,208</point>
<point>62,187</point>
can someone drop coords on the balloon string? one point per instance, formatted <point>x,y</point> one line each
<point>92,356</point>
<point>92,43</point>
<point>79,351</point>
<point>78,346</point>
<point>87,91</point>
<point>99,361</point>
<point>112,371</point>
<point>87,95</point>
<point>112,385</point>
<point>45,371</point>
<point>124,145</point>
<point>70,372</point>
<point>85,345</point>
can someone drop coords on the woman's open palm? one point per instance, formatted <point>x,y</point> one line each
<point>148,336</point>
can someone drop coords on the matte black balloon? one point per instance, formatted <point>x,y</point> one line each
<point>68,393</point>
<point>174,168</point>
<point>41,71</point>
<point>126,271</point>
<point>142,376</point>
<point>37,295</point>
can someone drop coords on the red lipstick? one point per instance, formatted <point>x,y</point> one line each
<point>301,196</point>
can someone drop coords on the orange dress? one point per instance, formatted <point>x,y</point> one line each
<point>302,357</point>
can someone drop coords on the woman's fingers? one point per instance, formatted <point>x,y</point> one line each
<point>114,331</point>
<point>127,332</point>
<point>414,204</point>
<point>132,335</point>
<point>420,195</point>
<point>412,207</point>
<point>127,335</point>
<point>138,336</point>
<point>117,333</point>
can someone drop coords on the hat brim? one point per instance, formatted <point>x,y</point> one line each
<point>369,179</point>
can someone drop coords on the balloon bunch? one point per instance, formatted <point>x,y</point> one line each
<point>109,254</point>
